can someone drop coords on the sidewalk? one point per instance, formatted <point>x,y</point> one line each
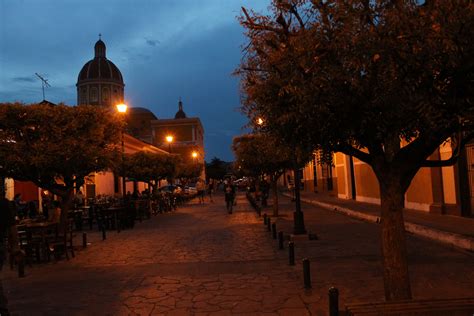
<point>448,229</point>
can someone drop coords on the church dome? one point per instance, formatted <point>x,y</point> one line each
<point>100,68</point>
<point>180,114</point>
<point>100,82</point>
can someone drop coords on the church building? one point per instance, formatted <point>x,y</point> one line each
<point>100,83</point>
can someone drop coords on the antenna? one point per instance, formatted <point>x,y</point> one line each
<point>44,83</point>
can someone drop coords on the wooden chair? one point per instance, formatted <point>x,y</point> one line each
<point>63,242</point>
<point>31,244</point>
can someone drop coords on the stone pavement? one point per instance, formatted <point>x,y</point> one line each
<point>347,256</point>
<point>452,230</point>
<point>202,261</point>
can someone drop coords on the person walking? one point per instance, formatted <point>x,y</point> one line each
<point>200,188</point>
<point>229,191</point>
<point>210,189</point>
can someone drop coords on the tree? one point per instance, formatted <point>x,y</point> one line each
<point>384,81</point>
<point>149,167</point>
<point>216,169</point>
<point>258,155</point>
<point>188,170</point>
<point>55,147</point>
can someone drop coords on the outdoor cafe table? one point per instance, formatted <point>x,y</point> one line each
<point>42,229</point>
<point>114,213</point>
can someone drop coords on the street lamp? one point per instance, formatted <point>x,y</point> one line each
<point>194,154</point>
<point>260,121</point>
<point>169,139</point>
<point>122,108</point>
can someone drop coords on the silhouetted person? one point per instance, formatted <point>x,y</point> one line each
<point>229,191</point>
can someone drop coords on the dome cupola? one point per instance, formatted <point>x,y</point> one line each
<point>180,114</point>
<point>99,49</point>
<point>100,82</point>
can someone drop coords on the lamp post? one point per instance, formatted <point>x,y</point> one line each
<point>298,216</point>
<point>169,139</point>
<point>122,109</point>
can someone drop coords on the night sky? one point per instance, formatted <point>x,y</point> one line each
<point>165,49</point>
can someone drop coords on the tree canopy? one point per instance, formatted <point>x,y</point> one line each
<point>188,169</point>
<point>385,81</point>
<point>260,154</point>
<point>217,168</point>
<point>55,147</point>
<point>149,167</point>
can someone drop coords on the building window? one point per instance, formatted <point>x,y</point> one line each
<point>84,96</point>
<point>94,95</point>
<point>105,95</point>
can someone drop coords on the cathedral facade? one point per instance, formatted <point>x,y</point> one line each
<point>100,83</point>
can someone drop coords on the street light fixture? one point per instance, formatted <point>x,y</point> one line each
<point>194,154</point>
<point>260,121</point>
<point>122,108</point>
<point>169,139</point>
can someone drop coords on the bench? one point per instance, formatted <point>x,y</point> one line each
<point>452,307</point>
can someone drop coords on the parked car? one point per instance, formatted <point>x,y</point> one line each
<point>190,189</point>
<point>242,183</point>
<point>171,188</point>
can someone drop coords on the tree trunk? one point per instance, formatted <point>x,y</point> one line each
<point>67,198</point>
<point>275,196</point>
<point>394,251</point>
<point>297,182</point>
<point>298,216</point>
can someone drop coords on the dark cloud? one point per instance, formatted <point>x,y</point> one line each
<point>152,42</point>
<point>185,48</point>
<point>24,79</point>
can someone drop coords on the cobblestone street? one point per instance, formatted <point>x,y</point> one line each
<point>200,260</point>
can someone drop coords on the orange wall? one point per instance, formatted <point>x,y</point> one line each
<point>341,181</point>
<point>28,190</point>
<point>367,184</point>
<point>420,190</point>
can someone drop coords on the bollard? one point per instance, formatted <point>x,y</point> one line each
<point>269,224</point>
<point>306,273</point>
<point>264,218</point>
<point>21,267</point>
<point>274,230</point>
<point>84,240</point>
<point>280,240</point>
<point>104,236</point>
<point>291,253</point>
<point>333,301</point>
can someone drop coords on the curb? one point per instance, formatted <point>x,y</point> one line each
<point>452,239</point>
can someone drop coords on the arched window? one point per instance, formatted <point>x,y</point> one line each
<point>105,95</point>
<point>94,95</point>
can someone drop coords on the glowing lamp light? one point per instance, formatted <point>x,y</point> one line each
<point>259,121</point>
<point>194,154</point>
<point>169,138</point>
<point>122,108</point>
